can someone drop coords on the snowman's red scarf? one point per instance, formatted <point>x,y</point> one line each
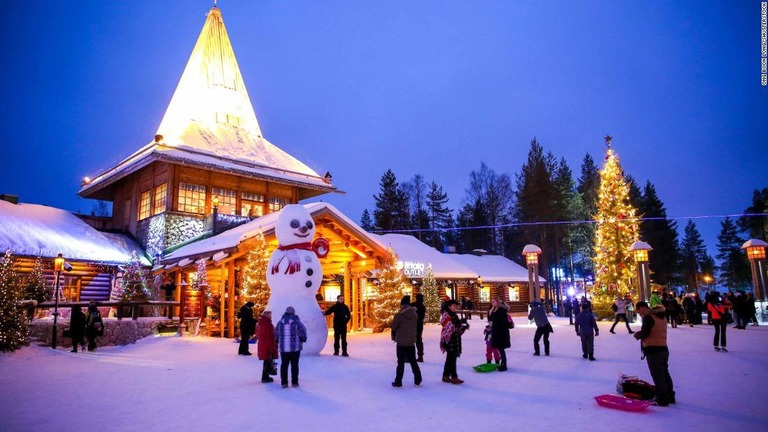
<point>294,263</point>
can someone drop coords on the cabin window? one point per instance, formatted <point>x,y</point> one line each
<point>514,294</point>
<point>485,294</point>
<point>145,204</point>
<point>227,200</point>
<point>191,198</point>
<point>277,204</point>
<point>161,193</point>
<point>251,204</point>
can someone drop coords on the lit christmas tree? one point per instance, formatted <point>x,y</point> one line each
<point>431,296</point>
<point>617,228</point>
<point>202,274</point>
<point>389,292</point>
<point>35,288</point>
<point>254,278</point>
<point>13,323</point>
<point>134,285</point>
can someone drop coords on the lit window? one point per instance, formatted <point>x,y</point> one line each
<point>448,291</point>
<point>161,193</point>
<point>251,204</point>
<point>331,292</point>
<point>227,200</point>
<point>191,198</point>
<point>514,294</point>
<point>276,204</point>
<point>144,204</point>
<point>485,294</point>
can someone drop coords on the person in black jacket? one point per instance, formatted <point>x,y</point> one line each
<point>421,312</point>
<point>247,327</point>
<point>77,328</point>
<point>499,319</point>
<point>341,317</point>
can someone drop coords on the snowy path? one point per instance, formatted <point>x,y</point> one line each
<point>198,384</point>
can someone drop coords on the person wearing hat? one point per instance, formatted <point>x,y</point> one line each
<point>653,337</point>
<point>404,334</point>
<point>450,340</point>
<point>498,316</point>
<point>543,327</point>
<point>290,334</point>
<point>267,348</point>
<point>421,312</point>
<point>341,317</point>
<point>247,327</point>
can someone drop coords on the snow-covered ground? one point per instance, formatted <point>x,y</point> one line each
<point>199,384</point>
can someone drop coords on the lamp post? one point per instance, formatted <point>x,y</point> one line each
<point>756,255</point>
<point>58,266</point>
<point>531,253</point>
<point>640,251</point>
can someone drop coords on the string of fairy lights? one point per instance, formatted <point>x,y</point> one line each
<point>571,222</point>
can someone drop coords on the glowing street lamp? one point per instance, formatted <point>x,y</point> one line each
<point>755,249</point>
<point>531,253</point>
<point>58,266</point>
<point>640,251</point>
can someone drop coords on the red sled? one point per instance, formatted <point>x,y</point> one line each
<point>622,403</point>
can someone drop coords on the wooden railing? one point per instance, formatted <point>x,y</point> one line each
<point>133,306</point>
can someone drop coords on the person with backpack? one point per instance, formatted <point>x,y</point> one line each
<point>587,330</point>
<point>619,308</point>
<point>247,327</point>
<point>94,326</point>
<point>404,335</point>
<point>543,328</point>
<point>499,318</point>
<point>267,347</point>
<point>290,335</point>
<point>341,317</point>
<point>653,337</point>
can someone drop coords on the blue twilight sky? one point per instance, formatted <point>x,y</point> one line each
<point>430,87</point>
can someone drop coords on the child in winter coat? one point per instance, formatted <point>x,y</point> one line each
<point>586,328</point>
<point>267,348</point>
<point>491,353</point>
<point>290,335</point>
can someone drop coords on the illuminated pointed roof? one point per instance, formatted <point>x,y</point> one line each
<point>210,122</point>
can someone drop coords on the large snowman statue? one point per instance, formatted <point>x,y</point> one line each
<point>294,274</point>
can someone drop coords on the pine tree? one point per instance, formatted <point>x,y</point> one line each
<point>661,234</point>
<point>366,222</point>
<point>254,278</point>
<point>13,323</point>
<point>734,271</point>
<point>391,211</point>
<point>432,298</point>
<point>617,228</point>
<point>389,291</point>
<point>756,226</point>
<point>35,288</point>
<point>693,256</point>
<point>134,285</point>
<point>438,214</point>
<point>584,234</point>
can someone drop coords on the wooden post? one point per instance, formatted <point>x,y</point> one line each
<point>355,303</point>
<point>222,300</point>
<point>347,289</point>
<point>231,299</point>
<point>177,293</point>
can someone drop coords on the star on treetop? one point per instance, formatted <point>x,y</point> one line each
<point>608,140</point>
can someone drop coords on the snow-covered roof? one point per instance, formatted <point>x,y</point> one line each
<point>495,268</point>
<point>230,239</point>
<point>409,248</point>
<point>37,230</point>
<point>210,122</point>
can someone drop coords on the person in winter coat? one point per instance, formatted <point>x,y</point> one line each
<point>247,327</point>
<point>421,312</point>
<point>655,300</point>
<point>404,334</point>
<point>740,309</point>
<point>620,310</point>
<point>94,326</point>
<point>575,309</point>
<point>653,337</point>
<point>751,310</point>
<point>290,334</point>
<point>718,310</point>
<point>586,328</point>
<point>671,307</point>
<point>498,316</point>
<point>341,317</point>
<point>689,306</point>
<point>267,347</point>
<point>543,327</point>
<point>450,340</point>
<point>77,328</point>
